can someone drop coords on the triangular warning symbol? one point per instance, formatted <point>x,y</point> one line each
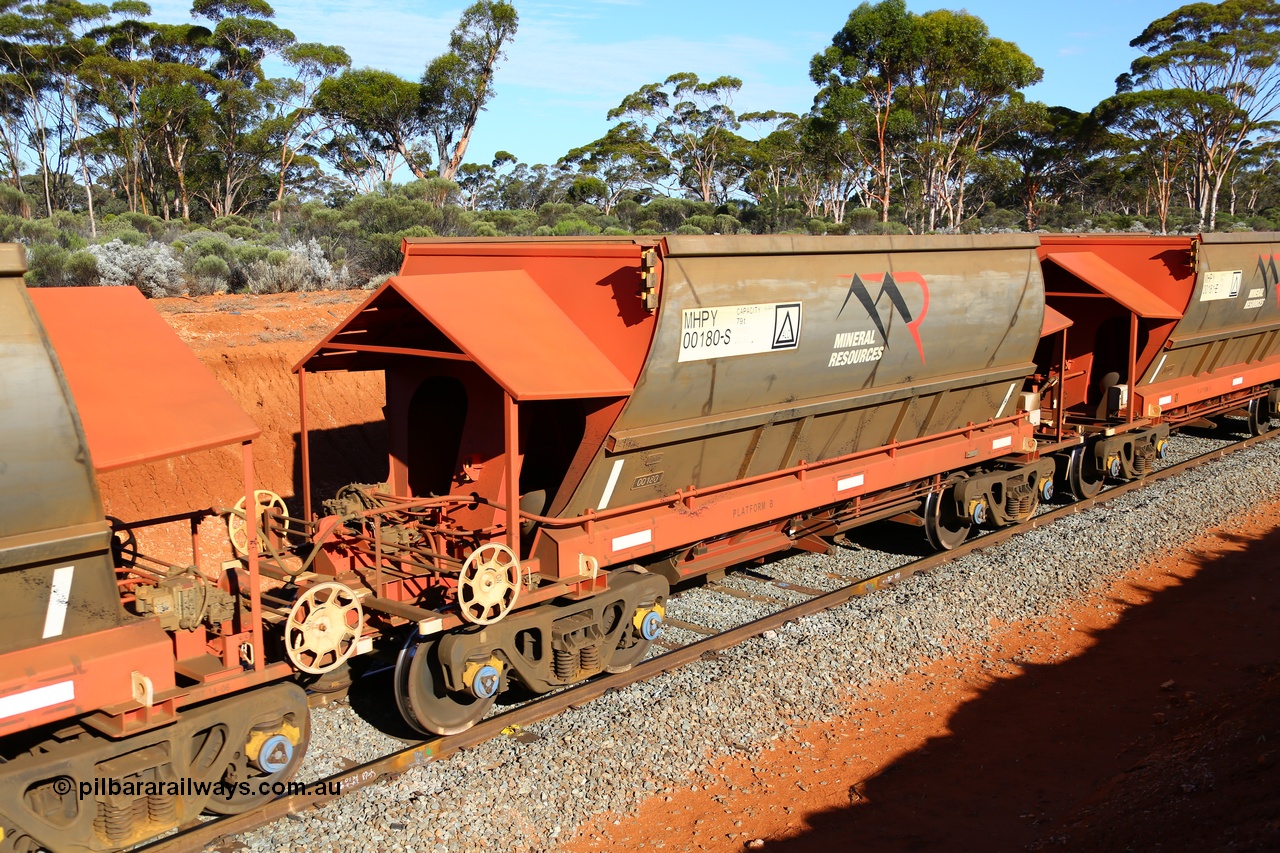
<point>787,334</point>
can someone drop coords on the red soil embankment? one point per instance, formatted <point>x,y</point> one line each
<point>251,343</point>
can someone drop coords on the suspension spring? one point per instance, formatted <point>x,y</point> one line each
<point>565,664</point>
<point>114,823</point>
<point>162,809</point>
<point>1019,501</point>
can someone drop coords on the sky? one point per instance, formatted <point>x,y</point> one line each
<point>574,60</point>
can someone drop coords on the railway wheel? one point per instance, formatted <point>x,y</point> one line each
<point>271,754</point>
<point>1084,479</point>
<point>1259,417</point>
<point>424,700</point>
<point>945,528</point>
<point>644,626</point>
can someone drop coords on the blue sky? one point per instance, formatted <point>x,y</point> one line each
<point>574,60</point>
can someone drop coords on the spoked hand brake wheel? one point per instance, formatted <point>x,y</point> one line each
<point>489,584</point>
<point>322,628</point>
<point>238,527</point>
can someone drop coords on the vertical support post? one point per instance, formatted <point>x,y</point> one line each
<point>251,533</point>
<point>511,432</point>
<point>304,444</point>
<point>1062,387</point>
<point>1133,362</point>
<point>195,542</point>
<point>377,554</point>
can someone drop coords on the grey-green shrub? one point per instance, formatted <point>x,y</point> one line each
<point>80,269</point>
<point>211,266</point>
<point>152,268</point>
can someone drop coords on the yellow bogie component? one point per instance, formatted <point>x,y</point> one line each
<point>642,612</point>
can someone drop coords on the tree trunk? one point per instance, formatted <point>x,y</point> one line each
<point>84,170</point>
<point>44,177</point>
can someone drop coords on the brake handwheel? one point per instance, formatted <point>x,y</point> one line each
<point>489,584</point>
<point>323,627</point>
<point>238,527</point>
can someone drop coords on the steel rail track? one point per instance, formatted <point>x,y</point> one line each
<point>196,837</point>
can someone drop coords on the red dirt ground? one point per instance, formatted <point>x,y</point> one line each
<point>1147,718</point>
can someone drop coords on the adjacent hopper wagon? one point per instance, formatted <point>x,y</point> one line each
<point>115,666</point>
<point>1158,332</point>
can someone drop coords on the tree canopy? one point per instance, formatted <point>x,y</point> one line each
<point>279,157</point>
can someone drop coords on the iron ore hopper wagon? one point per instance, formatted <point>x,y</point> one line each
<point>1153,333</point>
<point>575,426</point>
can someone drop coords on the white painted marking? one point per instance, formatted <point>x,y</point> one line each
<point>609,486</point>
<point>427,627</point>
<point>59,596</point>
<point>1166,400</point>
<point>849,483</point>
<point>1239,380</point>
<point>729,330</point>
<point>998,443</point>
<point>41,697</point>
<point>1221,284</point>
<point>1159,366</point>
<point>1005,401</point>
<point>631,540</point>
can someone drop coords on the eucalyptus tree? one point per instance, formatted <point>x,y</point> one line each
<point>959,87</point>
<point>834,174</point>
<point>521,186</point>
<point>1251,183</point>
<point>777,160</point>
<point>238,146</point>
<point>859,76</point>
<point>1047,147</point>
<point>1220,61</point>
<point>457,85</point>
<point>294,123</point>
<point>692,124</point>
<point>10,139</point>
<point>1156,122</point>
<point>41,46</point>
<point>116,75</point>
<point>624,161</point>
<point>376,124</point>
<point>151,115</point>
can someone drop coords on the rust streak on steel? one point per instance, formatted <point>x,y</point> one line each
<point>198,837</point>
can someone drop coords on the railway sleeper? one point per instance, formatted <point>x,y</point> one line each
<point>81,791</point>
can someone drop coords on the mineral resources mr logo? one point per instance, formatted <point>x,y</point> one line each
<point>890,290</point>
